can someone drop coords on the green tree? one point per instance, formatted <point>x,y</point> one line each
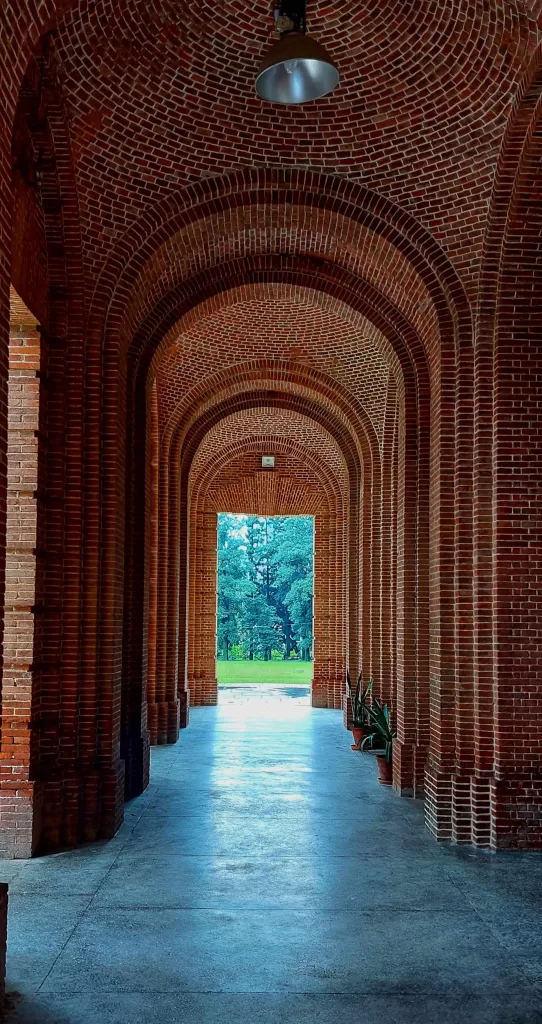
<point>233,583</point>
<point>292,559</point>
<point>265,582</point>
<point>262,627</point>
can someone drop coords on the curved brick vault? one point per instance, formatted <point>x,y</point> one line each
<point>354,282</point>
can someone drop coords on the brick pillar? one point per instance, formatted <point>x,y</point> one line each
<point>158,712</point>
<point>441,763</point>
<point>329,612</point>
<point>323,661</point>
<point>21,795</point>
<point>182,657</point>
<point>202,679</point>
<point>153,452</point>
<point>388,528</point>
<point>172,649</point>
<point>411,582</point>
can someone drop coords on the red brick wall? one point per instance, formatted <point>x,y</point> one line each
<point>21,796</point>
<point>401,316</point>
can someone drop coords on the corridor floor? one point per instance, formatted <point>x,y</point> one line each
<point>265,877</point>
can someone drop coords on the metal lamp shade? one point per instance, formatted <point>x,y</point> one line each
<point>296,69</point>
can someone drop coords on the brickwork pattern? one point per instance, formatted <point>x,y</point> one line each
<point>373,261</point>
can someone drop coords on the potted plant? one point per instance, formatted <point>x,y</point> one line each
<point>361,727</point>
<point>382,739</point>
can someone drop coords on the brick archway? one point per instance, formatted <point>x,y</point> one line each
<point>409,361</point>
<point>130,242</point>
<point>310,479</point>
<point>174,506</point>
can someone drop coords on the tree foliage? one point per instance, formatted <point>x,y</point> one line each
<point>265,585</point>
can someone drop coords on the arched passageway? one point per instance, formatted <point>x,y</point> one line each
<point>192,278</point>
<point>203,294</point>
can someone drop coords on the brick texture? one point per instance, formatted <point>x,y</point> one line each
<point>196,275</point>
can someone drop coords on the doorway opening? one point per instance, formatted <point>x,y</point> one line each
<point>265,607</point>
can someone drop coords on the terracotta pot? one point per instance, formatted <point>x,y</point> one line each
<point>385,770</point>
<point>359,734</point>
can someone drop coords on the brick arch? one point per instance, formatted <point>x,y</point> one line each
<point>322,495</point>
<point>284,324</point>
<point>473,31</point>
<point>175,510</point>
<point>167,687</point>
<point>397,341</point>
<point>111,497</point>
<point>260,423</point>
<point>450,372</point>
<point>248,188</point>
<point>260,233</point>
<point>415,394</point>
<point>167,627</point>
<point>505,771</point>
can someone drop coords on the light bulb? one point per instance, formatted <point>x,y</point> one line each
<point>291,65</point>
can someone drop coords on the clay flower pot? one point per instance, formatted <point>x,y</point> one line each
<point>359,734</point>
<point>385,770</point>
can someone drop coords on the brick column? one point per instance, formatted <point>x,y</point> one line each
<point>202,679</point>
<point>158,711</point>
<point>173,582</point>
<point>153,539</point>
<point>21,795</point>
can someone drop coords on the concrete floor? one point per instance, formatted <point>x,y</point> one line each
<point>241,694</point>
<point>265,877</point>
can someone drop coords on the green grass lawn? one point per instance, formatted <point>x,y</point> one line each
<point>268,672</point>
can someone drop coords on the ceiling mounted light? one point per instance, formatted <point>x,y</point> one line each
<point>297,68</point>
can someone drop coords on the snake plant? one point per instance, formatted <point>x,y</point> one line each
<point>380,722</point>
<point>358,702</point>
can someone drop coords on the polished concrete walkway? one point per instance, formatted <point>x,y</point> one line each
<point>265,877</point>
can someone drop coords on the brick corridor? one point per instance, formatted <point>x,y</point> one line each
<point>264,876</point>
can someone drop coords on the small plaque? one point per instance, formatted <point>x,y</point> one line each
<point>268,461</point>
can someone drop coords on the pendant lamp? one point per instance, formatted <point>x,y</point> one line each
<point>297,68</point>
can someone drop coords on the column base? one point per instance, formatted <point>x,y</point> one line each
<point>409,768</point>
<point>21,817</point>
<point>82,806</point>
<point>136,755</point>
<point>164,722</point>
<point>516,812</point>
<point>328,693</point>
<point>184,709</point>
<point>203,691</point>
<point>458,807</point>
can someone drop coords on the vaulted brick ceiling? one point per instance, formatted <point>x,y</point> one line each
<point>278,322</point>
<point>161,93</point>
<point>248,429</point>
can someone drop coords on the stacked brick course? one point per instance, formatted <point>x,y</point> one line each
<point>355,282</point>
